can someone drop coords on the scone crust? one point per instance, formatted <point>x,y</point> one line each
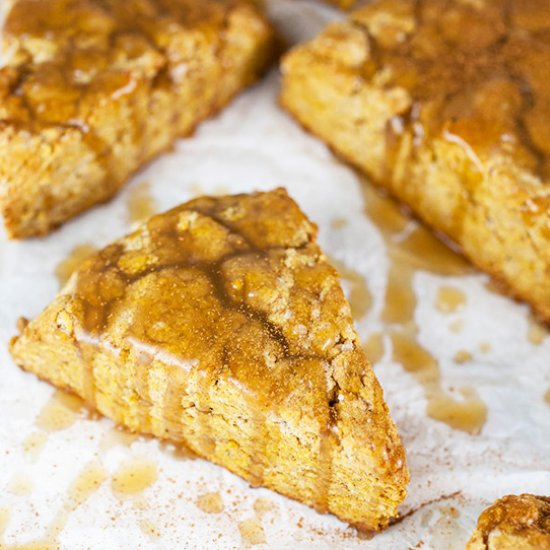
<point>451,122</point>
<point>221,324</point>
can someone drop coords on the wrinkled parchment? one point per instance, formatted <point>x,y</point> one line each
<point>253,145</point>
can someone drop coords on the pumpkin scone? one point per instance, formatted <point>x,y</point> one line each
<point>221,324</point>
<point>447,105</point>
<point>514,522</point>
<point>93,89</point>
<point>344,4</point>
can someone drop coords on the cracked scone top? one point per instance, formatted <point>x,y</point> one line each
<point>514,522</point>
<point>447,105</point>
<point>94,89</point>
<point>221,324</point>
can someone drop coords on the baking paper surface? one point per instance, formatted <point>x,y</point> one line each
<point>253,145</point>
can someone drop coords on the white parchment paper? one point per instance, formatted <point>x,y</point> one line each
<point>253,145</point>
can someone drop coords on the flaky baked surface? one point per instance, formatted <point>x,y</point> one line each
<point>514,522</point>
<point>221,324</point>
<point>447,105</point>
<point>94,89</point>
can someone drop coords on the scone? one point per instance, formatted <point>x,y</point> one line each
<point>94,89</point>
<point>515,522</point>
<point>221,324</point>
<point>447,105</point>
<point>344,4</point>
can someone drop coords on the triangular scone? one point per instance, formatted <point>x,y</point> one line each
<point>94,89</point>
<point>221,324</point>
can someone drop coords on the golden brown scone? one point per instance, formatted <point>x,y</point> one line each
<point>515,522</point>
<point>344,4</point>
<point>94,89</point>
<point>221,324</point>
<point>447,105</point>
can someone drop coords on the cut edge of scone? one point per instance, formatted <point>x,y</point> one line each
<point>311,425</point>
